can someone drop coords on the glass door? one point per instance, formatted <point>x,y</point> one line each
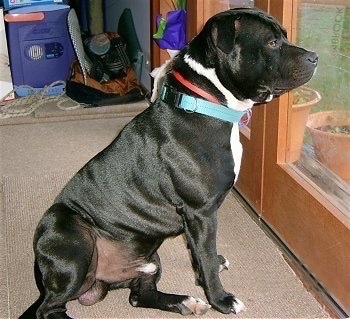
<point>324,26</point>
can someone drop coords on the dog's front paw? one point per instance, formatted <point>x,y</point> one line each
<point>229,304</point>
<point>238,306</point>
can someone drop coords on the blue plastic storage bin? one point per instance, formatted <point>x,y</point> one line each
<point>40,49</point>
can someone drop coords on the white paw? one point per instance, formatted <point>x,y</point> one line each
<point>238,306</point>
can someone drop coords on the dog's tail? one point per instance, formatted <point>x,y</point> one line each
<point>30,313</point>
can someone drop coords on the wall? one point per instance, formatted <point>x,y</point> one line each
<point>141,15</point>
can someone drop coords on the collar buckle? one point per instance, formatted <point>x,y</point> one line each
<point>171,96</point>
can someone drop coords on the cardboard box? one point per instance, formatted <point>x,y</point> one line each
<point>11,4</point>
<point>5,71</point>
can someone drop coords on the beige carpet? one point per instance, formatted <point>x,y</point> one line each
<point>62,108</point>
<point>37,160</point>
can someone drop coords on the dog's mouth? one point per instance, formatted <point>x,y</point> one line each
<point>299,77</point>
<point>266,93</point>
<point>279,91</point>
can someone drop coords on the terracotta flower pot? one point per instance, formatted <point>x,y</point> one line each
<point>304,99</point>
<point>332,149</point>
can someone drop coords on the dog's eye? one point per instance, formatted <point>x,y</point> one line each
<point>273,44</point>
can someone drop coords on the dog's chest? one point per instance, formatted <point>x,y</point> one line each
<point>236,149</point>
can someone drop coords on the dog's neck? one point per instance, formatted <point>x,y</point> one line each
<point>212,89</point>
<point>196,89</point>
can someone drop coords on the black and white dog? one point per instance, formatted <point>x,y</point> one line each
<point>166,174</point>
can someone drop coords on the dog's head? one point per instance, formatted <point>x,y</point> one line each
<point>251,55</point>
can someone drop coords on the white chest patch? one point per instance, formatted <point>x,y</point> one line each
<point>231,102</point>
<point>236,149</point>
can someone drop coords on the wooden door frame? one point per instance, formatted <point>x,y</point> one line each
<point>155,51</point>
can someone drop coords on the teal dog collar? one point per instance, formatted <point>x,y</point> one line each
<point>195,105</point>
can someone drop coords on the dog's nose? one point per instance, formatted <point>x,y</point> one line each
<point>313,58</point>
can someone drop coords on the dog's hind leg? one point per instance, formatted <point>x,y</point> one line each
<point>144,293</point>
<point>66,260</point>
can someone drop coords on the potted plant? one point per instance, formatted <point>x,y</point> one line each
<point>304,99</point>
<point>330,135</point>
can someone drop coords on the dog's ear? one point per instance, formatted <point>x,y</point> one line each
<point>223,32</point>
